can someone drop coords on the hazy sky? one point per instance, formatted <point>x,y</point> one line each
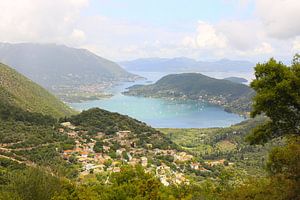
<point>128,29</point>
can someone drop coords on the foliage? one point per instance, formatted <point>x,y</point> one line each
<point>98,147</point>
<point>10,112</point>
<point>22,92</point>
<point>98,120</point>
<point>283,182</point>
<point>225,143</point>
<point>286,160</point>
<point>278,96</point>
<point>32,184</point>
<point>32,139</point>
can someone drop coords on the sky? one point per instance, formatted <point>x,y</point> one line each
<point>253,30</point>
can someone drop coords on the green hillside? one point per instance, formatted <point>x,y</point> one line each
<point>96,119</point>
<point>16,89</point>
<point>232,96</point>
<point>225,143</point>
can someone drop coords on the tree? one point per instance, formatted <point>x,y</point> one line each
<point>277,89</point>
<point>98,148</point>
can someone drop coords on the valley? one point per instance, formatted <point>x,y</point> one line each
<point>149,100</point>
<point>42,140</point>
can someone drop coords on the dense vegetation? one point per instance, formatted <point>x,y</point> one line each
<point>22,92</point>
<point>37,172</point>
<point>98,120</point>
<point>130,183</point>
<point>32,139</point>
<point>225,143</point>
<point>233,96</point>
<point>278,97</point>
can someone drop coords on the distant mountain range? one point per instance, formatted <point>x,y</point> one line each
<point>182,64</point>
<point>53,65</point>
<point>234,97</point>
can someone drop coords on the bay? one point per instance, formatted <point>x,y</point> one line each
<point>163,113</point>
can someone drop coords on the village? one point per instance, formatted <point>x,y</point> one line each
<point>107,153</point>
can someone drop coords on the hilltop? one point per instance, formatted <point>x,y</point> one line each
<point>236,79</point>
<point>233,97</point>
<point>16,89</point>
<point>52,65</point>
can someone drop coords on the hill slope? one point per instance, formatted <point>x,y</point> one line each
<point>53,65</point>
<point>196,86</point>
<point>16,89</point>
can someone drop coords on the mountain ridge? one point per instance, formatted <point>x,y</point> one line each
<point>184,64</point>
<point>52,65</point>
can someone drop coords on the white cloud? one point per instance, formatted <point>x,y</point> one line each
<point>241,35</point>
<point>265,48</point>
<point>279,17</point>
<point>39,21</point>
<point>296,45</point>
<point>77,36</point>
<point>208,37</point>
<point>272,31</point>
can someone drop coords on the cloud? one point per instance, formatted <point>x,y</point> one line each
<point>296,45</point>
<point>279,17</point>
<point>208,37</point>
<point>273,30</point>
<point>39,21</point>
<point>241,35</point>
<point>77,36</point>
<point>265,48</point>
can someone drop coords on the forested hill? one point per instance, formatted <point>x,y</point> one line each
<point>17,90</point>
<point>52,65</point>
<point>235,97</point>
<point>99,120</point>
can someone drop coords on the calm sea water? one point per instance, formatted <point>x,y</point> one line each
<point>163,113</point>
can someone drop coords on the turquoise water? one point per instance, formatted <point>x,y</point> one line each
<point>163,113</point>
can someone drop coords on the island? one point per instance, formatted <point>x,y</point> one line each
<point>233,97</point>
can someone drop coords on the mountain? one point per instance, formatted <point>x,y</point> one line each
<point>16,89</point>
<point>236,80</point>
<point>94,141</point>
<point>54,66</point>
<point>234,97</point>
<point>182,64</point>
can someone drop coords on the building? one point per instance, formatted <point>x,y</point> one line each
<point>72,134</point>
<point>123,134</point>
<point>68,125</point>
<point>84,154</point>
<point>144,161</point>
